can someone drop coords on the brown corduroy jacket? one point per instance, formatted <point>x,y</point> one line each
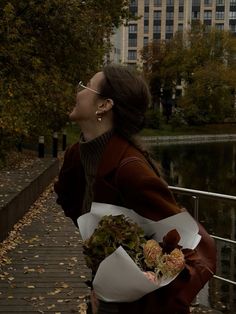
<point>125,178</point>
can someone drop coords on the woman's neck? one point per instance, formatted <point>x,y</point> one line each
<point>91,132</point>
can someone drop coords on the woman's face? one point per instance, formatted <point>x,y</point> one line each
<point>87,101</point>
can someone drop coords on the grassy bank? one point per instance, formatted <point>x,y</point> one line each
<point>73,131</point>
<point>192,130</point>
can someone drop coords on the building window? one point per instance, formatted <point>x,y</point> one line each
<point>157,2</point>
<point>133,28</point>
<point>220,2</point>
<point>146,2</point>
<point>169,15</point>
<point>146,29</point>
<point>132,40</point>
<point>232,1</point>
<point>156,37</point>
<point>207,2</point>
<point>169,2</point>
<point>156,28</point>
<point>157,15</point>
<point>219,26</point>
<point>196,15</point>
<point>196,3</point>
<point>207,15</point>
<point>207,27</point>
<point>133,7</point>
<point>232,28</point>
<point>232,15</point>
<point>132,54</point>
<point>145,41</point>
<point>169,29</point>
<point>133,10</point>
<point>220,15</point>
<point>181,3</point>
<point>146,26</point>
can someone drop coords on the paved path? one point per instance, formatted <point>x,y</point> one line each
<point>46,271</point>
<point>43,268</point>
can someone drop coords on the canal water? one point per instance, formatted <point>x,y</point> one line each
<point>210,167</point>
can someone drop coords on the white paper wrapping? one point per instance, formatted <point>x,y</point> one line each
<point>118,278</point>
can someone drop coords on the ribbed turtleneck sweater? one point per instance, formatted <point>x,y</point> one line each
<point>90,155</point>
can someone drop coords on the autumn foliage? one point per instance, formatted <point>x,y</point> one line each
<point>202,62</point>
<point>46,47</point>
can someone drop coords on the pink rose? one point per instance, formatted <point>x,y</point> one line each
<point>172,263</point>
<point>152,252</point>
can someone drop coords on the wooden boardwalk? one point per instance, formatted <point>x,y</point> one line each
<point>43,269</point>
<point>46,272</point>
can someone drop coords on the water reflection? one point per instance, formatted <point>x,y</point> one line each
<point>209,167</point>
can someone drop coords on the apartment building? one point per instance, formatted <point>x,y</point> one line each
<point>160,19</point>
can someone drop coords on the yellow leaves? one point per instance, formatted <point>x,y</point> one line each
<point>15,236</point>
<point>38,269</point>
<point>42,269</point>
<point>51,306</point>
<point>65,285</point>
<point>83,308</point>
<point>56,291</point>
<point>9,11</point>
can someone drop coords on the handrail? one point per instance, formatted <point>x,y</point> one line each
<point>196,194</point>
<point>203,194</point>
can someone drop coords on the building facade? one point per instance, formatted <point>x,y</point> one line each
<point>160,19</point>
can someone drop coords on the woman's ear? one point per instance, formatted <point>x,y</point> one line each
<point>106,105</point>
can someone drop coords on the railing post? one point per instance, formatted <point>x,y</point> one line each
<point>195,206</point>
<point>41,147</point>
<point>54,145</point>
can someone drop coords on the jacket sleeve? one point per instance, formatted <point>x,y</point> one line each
<point>144,192</point>
<point>150,196</point>
<point>67,187</point>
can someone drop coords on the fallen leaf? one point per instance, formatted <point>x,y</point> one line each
<point>51,306</point>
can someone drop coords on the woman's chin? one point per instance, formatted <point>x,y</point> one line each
<point>73,117</point>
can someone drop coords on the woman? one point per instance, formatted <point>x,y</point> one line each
<point>108,166</point>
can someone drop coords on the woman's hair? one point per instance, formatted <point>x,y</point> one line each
<point>131,98</point>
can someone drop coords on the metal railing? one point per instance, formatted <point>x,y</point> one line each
<point>196,195</point>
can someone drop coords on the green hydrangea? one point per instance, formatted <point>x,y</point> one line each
<point>112,232</point>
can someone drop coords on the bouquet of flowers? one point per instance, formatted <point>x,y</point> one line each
<point>154,259</point>
<point>131,255</point>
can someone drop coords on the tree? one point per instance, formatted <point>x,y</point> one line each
<point>163,65</point>
<point>205,62</point>
<point>46,47</point>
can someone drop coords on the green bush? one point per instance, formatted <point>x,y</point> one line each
<point>154,119</point>
<point>178,118</point>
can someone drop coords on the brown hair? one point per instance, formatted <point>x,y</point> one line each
<point>131,98</point>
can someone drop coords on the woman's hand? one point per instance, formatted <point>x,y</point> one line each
<point>94,302</point>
